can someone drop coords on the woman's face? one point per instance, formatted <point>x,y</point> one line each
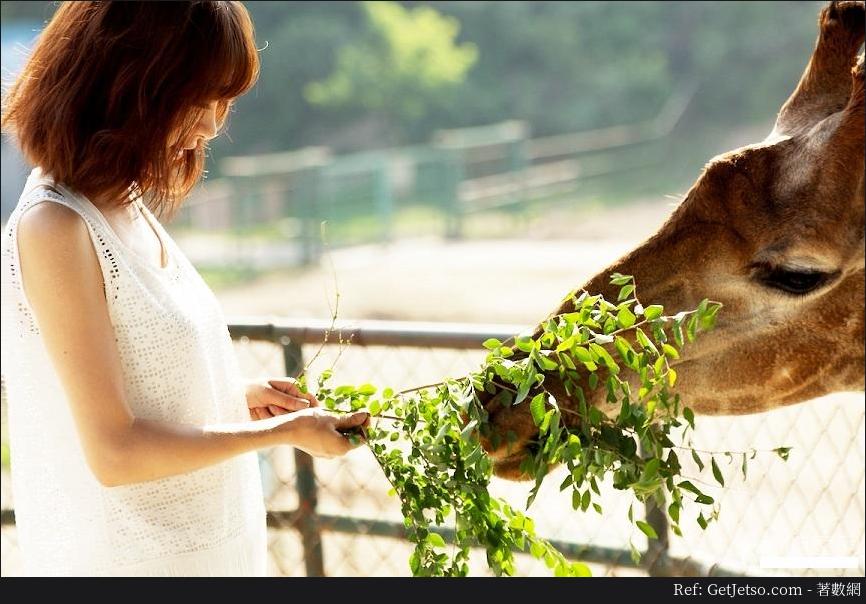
<point>205,129</point>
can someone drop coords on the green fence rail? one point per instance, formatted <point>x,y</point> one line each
<point>461,172</point>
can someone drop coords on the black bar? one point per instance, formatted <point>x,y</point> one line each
<point>306,521</point>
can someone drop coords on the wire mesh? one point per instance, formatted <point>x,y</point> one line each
<point>812,505</point>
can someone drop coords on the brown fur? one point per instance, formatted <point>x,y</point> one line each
<point>796,198</point>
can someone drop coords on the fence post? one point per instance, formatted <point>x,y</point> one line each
<point>307,521</point>
<point>309,190</point>
<point>657,557</point>
<point>453,174</point>
<point>656,560</point>
<point>384,197</point>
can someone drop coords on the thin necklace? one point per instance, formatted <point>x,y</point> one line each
<point>162,251</point>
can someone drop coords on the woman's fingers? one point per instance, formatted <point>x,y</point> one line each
<point>288,401</point>
<point>351,428</point>
<point>290,387</point>
<point>263,396</point>
<point>352,420</point>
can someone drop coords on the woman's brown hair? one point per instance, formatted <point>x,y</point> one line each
<point>110,84</point>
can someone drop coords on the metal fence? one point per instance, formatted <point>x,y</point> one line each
<point>333,517</point>
<point>283,197</point>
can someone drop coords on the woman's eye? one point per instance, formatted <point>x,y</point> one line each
<point>793,281</point>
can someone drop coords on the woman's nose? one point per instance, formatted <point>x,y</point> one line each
<point>209,123</point>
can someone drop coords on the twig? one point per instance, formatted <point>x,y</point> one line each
<point>336,308</point>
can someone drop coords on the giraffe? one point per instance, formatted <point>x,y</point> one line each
<point>774,231</point>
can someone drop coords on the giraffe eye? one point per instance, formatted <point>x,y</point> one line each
<point>793,281</point>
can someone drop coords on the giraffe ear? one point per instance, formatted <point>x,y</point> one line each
<point>841,136</point>
<point>825,87</point>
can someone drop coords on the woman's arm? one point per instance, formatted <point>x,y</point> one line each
<point>62,280</point>
<point>155,449</point>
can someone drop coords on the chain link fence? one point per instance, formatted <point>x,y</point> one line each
<point>334,517</point>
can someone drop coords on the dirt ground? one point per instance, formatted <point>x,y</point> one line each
<point>430,279</point>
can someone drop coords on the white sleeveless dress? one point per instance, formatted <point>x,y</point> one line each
<point>179,366</point>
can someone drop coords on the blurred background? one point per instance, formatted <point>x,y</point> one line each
<point>473,162</point>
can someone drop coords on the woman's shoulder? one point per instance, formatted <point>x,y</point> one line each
<point>48,231</point>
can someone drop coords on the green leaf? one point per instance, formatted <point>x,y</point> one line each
<point>536,407</point>
<point>583,355</point>
<point>585,500</point>
<point>579,569</point>
<point>625,292</point>
<point>717,473</point>
<point>635,554</point>
<point>678,333</point>
<point>783,452</point>
<point>647,530</point>
<point>435,539</point>
<point>690,417</point>
<point>545,362</point>
<point>344,390</point>
<point>702,521</point>
<point>524,343</point>
<point>692,328</point>
<point>623,348</point>
<point>688,486</point>
<point>468,429</point>
<point>644,341</point>
<point>708,319</point>
<point>523,390</point>
<point>367,389</point>
<point>492,344</point>
<point>672,377</point>
<point>670,351</point>
<point>674,512</point>
<point>537,550</point>
<point>624,411</point>
<point>604,355</point>
<point>619,279</point>
<point>651,469</point>
<point>653,311</point>
<point>697,459</point>
<point>625,318</point>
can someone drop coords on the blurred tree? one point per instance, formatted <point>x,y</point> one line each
<point>562,66</point>
<point>405,64</point>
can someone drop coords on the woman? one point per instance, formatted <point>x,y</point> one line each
<point>132,448</point>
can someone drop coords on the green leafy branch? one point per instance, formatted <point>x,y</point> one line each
<point>427,440</point>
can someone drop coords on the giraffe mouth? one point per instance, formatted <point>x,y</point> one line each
<point>509,467</point>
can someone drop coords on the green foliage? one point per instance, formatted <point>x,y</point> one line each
<point>404,64</point>
<point>538,61</point>
<point>428,441</point>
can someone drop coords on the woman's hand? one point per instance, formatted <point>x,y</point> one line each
<point>321,433</point>
<point>276,397</point>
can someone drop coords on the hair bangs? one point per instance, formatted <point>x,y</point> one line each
<point>231,57</point>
